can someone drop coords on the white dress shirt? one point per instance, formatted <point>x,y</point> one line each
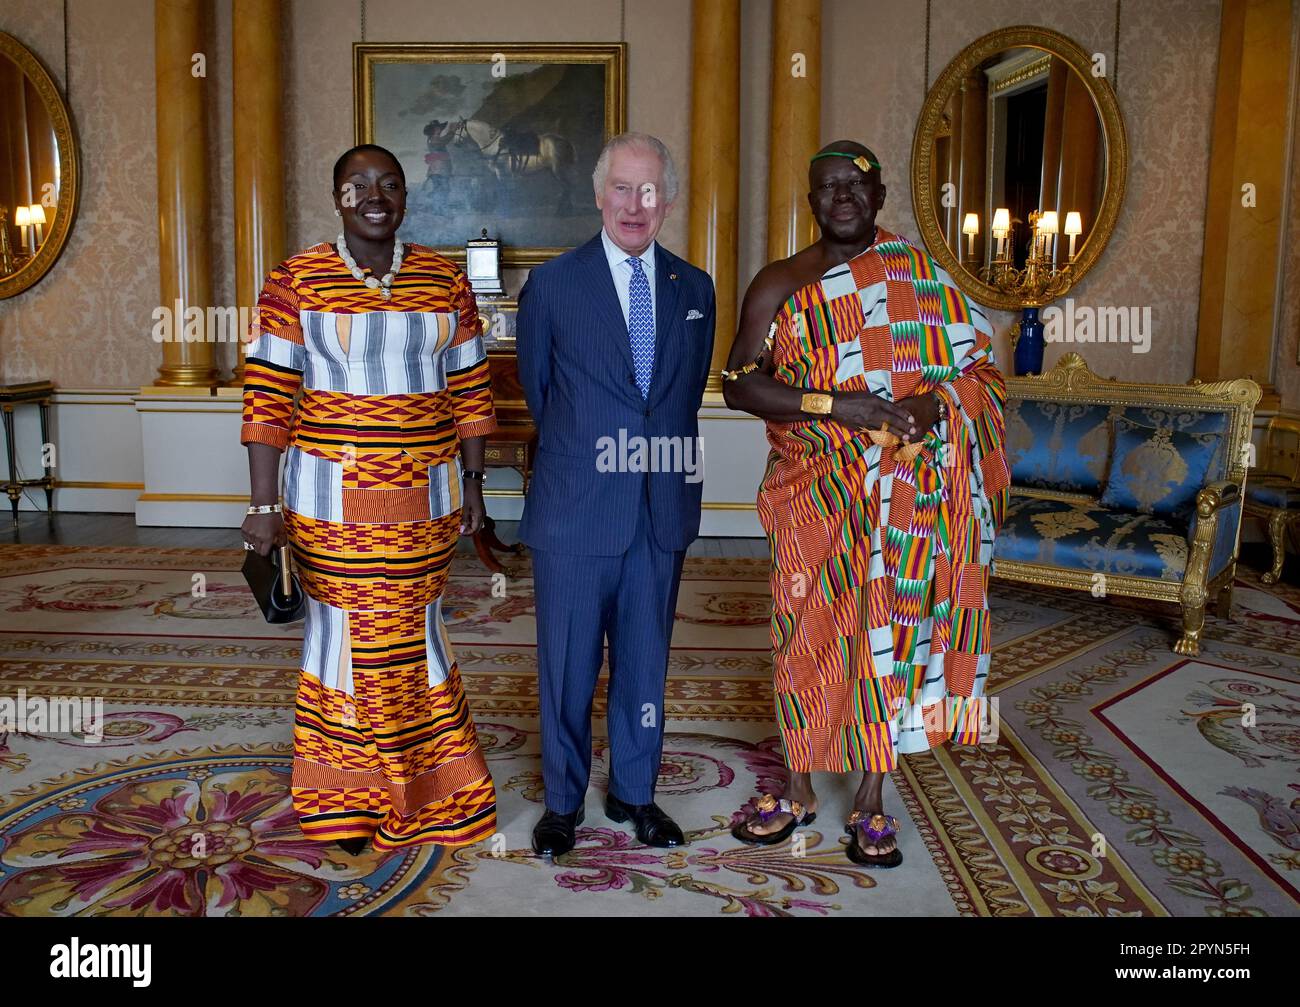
<point>621,270</point>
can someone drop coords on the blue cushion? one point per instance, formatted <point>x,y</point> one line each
<point>1057,445</point>
<point>1188,421</point>
<point>1085,536</point>
<point>1158,470</point>
<point>1272,490</point>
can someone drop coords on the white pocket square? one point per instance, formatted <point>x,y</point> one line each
<point>693,314</point>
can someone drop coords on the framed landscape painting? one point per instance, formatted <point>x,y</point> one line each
<point>497,137</point>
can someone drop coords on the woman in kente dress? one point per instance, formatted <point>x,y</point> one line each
<point>383,469</point>
<point>885,484</point>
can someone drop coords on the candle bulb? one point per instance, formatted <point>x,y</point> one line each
<point>1001,228</point>
<point>1048,226</point>
<point>37,217</point>
<point>970,227</point>
<point>1073,227</point>
<point>23,218</point>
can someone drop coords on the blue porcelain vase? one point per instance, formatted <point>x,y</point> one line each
<point>1030,345</point>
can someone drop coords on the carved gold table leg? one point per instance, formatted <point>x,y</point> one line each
<point>46,475</point>
<point>12,487</point>
<point>1277,528</point>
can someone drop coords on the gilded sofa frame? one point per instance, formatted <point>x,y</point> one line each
<point>1072,381</point>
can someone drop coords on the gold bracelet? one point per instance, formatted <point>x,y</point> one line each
<point>733,375</point>
<point>757,362</point>
<point>816,403</point>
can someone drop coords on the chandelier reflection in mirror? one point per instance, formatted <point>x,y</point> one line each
<point>1043,272</point>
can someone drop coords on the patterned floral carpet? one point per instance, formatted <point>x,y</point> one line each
<point>1125,780</point>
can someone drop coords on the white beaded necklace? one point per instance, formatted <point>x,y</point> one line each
<point>383,284</point>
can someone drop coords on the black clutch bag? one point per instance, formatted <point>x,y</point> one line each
<point>278,593</point>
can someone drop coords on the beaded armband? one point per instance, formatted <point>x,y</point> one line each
<point>757,362</point>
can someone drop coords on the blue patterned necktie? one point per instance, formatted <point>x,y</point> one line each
<point>641,326</point>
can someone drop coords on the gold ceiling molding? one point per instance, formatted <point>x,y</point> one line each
<point>1037,68</point>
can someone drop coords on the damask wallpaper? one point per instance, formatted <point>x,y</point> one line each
<point>97,301</point>
<point>873,90</point>
<point>86,323</point>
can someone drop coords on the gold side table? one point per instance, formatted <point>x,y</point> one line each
<point>36,393</point>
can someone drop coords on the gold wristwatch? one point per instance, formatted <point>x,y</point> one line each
<point>817,403</point>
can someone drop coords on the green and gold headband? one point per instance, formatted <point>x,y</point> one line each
<point>863,164</point>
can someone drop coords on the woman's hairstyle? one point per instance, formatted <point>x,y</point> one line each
<point>342,162</point>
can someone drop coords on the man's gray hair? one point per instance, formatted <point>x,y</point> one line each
<point>645,142</point>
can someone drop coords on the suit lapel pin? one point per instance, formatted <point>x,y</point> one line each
<point>672,276</point>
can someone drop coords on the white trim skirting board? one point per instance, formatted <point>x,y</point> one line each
<point>175,460</point>
<point>98,464</point>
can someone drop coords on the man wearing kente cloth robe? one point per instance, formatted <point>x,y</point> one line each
<point>885,484</point>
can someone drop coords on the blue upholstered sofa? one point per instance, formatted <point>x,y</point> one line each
<point>1127,489</point>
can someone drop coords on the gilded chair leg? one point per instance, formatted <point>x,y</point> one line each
<point>1189,644</point>
<point>1277,529</point>
<point>1195,590</point>
<point>1193,605</point>
<point>1223,603</point>
<point>1223,599</point>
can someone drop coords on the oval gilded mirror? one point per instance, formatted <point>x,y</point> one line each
<point>1018,167</point>
<point>38,169</point>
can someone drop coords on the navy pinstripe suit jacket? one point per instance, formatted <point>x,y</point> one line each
<point>575,364</point>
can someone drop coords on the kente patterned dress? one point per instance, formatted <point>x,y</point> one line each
<point>384,745</point>
<point>880,622</point>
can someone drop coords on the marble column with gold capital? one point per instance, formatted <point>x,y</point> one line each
<point>796,123</point>
<point>259,150</point>
<point>185,279</point>
<point>1245,197</point>
<point>715,160</point>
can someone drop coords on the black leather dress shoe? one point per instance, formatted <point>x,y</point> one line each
<point>653,826</point>
<point>354,846</point>
<point>553,835</point>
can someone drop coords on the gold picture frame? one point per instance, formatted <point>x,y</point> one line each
<point>381,71</point>
<point>930,124</point>
<point>35,269</point>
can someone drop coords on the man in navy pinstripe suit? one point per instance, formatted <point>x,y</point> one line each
<point>614,342</point>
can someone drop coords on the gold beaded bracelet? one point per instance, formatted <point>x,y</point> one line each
<point>757,361</point>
